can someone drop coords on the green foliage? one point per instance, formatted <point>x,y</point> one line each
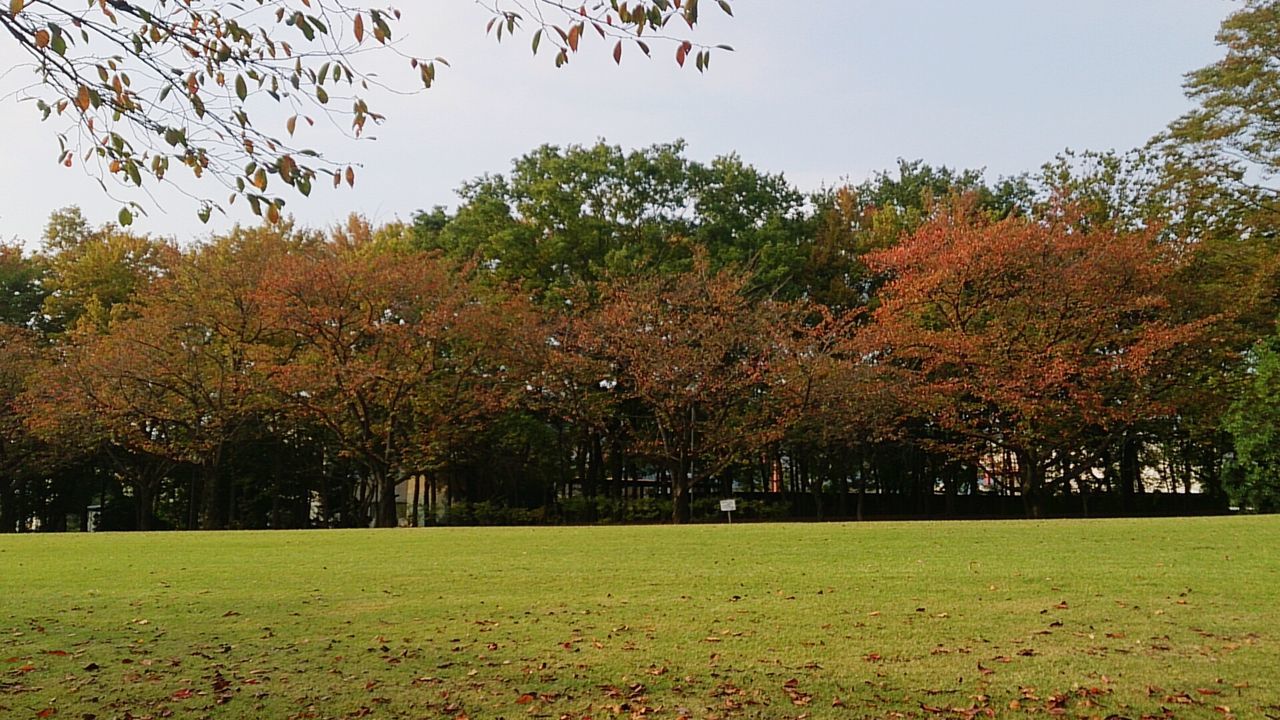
<point>1238,118</point>
<point>1254,422</point>
<point>572,216</point>
<point>21,289</point>
<point>93,272</point>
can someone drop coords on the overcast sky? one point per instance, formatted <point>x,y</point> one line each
<point>822,90</point>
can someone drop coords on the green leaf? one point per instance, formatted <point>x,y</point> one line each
<point>15,6</point>
<point>59,43</point>
<point>242,88</point>
<point>125,217</point>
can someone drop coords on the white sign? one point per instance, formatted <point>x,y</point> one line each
<point>728,505</point>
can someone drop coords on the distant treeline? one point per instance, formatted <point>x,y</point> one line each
<point>603,335</point>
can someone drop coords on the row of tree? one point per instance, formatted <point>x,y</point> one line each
<point>601,325</point>
<point>599,333</point>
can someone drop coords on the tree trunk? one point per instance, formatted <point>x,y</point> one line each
<point>950,481</point>
<point>385,515</point>
<point>616,469</point>
<point>276,490</point>
<point>433,498</point>
<point>1032,474</point>
<point>143,498</point>
<point>193,506</point>
<point>417,500</point>
<point>1130,468</point>
<point>842,485</point>
<point>214,500</point>
<point>681,510</point>
<point>8,514</point>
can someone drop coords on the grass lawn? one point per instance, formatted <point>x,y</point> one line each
<point>1130,618</point>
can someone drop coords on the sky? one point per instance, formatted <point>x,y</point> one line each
<point>824,91</point>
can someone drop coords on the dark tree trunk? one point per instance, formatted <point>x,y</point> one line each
<point>1130,468</point>
<point>216,493</point>
<point>863,473</point>
<point>432,499</point>
<point>277,489</point>
<point>417,500</point>
<point>842,473</point>
<point>950,480</point>
<point>1032,473</point>
<point>8,508</point>
<point>617,468</point>
<point>385,515</point>
<point>681,506</point>
<point>193,504</point>
<point>143,500</point>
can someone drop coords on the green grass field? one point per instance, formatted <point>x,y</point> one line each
<point>1162,618</point>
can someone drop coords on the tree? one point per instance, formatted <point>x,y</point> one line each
<point>21,291</point>
<point>92,271</point>
<point>1237,121</point>
<point>1254,423</point>
<point>20,359</point>
<point>145,90</point>
<point>388,352</point>
<point>695,352</point>
<point>1026,336</point>
<point>175,379</point>
<point>573,216</point>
